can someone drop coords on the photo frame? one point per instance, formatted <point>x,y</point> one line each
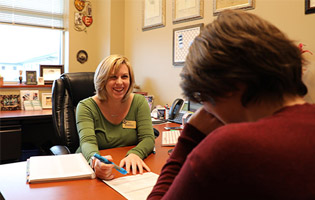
<point>309,6</point>
<point>51,73</point>
<point>220,5</point>
<point>10,102</point>
<point>153,14</point>
<point>46,100</point>
<point>182,39</point>
<point>186,10</point>
<point>40,81</point>
<point>31,78</point>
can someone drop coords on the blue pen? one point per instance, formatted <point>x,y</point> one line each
<point>104,160</point>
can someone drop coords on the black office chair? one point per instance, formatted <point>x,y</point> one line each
<point>67,92</point>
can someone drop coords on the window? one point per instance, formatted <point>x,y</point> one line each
<point>31,33</point>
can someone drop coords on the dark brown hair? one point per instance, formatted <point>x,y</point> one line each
<point>240,47</point>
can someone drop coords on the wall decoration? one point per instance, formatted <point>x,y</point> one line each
<point>82,56</point>
<point>79,4</point>
<point>309,6</point>
<point>182,39</point>
<point>10,102</point>
<point>185,10</point>
<point>220,5</point>
<point>50,73</point>
<point>31,78</point>
<point>46,100</point>
<point>83,18</point>
<point>153,14</point>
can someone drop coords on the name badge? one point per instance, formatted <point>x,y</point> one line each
<point>129,124</point>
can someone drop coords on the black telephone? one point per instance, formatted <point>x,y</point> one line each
<point>177,104</point>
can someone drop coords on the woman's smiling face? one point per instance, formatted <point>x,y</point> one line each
<point>118,84</point>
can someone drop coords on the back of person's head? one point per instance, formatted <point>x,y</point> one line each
<point>108,66</point>
<point>242,48</point>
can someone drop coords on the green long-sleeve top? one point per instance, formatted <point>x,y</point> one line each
<point>96,132</point>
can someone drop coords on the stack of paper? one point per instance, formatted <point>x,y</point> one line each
<point>57,168</point>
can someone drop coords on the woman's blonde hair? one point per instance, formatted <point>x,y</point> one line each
<point>107,66</point>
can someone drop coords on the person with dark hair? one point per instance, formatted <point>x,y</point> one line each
<point>115,117</point>
<point>254,136</point>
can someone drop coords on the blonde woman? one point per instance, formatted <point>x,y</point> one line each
<point>115,117</point>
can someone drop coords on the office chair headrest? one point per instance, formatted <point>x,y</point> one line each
<point>79,84</point>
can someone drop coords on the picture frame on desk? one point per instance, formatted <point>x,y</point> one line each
<point>51,73</point>
<point>31,78</point>
<point>153,14</point>
<point>309,6</point>
<point>46,100</point>
<point>220,5</point>
<point>187,10</point>
<point>10,102</point>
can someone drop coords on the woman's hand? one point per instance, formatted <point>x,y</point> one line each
<point>102,170</point>
<point>204,121</point>
<point>133,161</point>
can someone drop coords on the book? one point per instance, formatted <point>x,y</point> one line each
<point>58,168</point>
<point>134,187</point>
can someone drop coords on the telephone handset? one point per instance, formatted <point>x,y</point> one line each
<point>177,104</point>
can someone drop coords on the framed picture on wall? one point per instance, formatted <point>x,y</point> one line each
<point>220,5</point>
<point>182,39</point>
<point>153,14</point>
<point>309,6</point>
<point>50,73</point>
<point>186,10</point>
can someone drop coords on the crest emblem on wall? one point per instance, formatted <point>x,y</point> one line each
<point>79,4</point>
<point>83,18</point>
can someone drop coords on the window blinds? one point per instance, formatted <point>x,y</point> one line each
<point>40,13</point>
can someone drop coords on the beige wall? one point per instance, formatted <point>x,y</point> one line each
<point>105,35</point>
<point>117,28</point>
<point>150,52</point>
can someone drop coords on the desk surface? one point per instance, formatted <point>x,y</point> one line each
<point>23,114</point>
<point>13,178</point>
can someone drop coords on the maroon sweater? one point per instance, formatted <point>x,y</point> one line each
<point>273,158</point>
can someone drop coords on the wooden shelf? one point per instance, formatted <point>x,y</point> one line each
<point>25,86</point>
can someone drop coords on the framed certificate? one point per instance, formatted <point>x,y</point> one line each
<point>220,5</point>
<point>153,14</point>
<point>185,10</point>
<point>309,6</point>
<point>50,73</point>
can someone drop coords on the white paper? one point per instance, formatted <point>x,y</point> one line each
<point>134,187</point>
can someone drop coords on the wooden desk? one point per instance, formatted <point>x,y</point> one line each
<point>36,134</point>
<point>13,178</point>
<point>23,114</point>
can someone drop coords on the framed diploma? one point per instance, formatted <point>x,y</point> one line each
<point>153,14</point>
<point>220,5</point>
<point>50,73</point>
<point>186,10</point>
<point>309,6</point>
